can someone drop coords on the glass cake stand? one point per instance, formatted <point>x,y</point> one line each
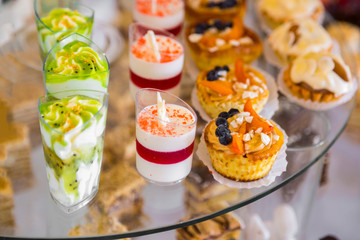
<point>311,134</point>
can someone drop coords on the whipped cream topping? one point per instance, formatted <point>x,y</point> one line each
<point>289,9</point>
<point>322,71</point>
<point>293,38</point>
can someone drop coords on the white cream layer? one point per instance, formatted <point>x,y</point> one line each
<point>152,70</point>
<point>87,176</point>
<point>154,22</point>
<point>312,38</point>
<point>317,70</point>
<point>164,144</point>
<point>163,173</point>
<point>75,84</point>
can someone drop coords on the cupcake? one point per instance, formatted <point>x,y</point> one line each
<point>243,146</point>
<point>222,88</point>
<point>206,9</point>
<point>216,42</point>
<point>296,38</point>
<point>273,13</point>
<point>318,77</point>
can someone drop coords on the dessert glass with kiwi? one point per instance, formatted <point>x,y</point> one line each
<point>72,129</point>
<point>58,19</point>
<point>76,63</point>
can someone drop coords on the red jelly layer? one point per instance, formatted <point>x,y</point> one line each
<point>164,157</point>
<point>163,84</point>
<point>175,30</point>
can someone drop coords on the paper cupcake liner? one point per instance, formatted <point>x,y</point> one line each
<point>271,57</point>
<point>271,106</point>
<point>277,169</point>
<point>318,106</point>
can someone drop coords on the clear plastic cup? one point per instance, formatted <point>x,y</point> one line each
<point>52,31</point>
<point>164,148</point>
<point>76,63</point>
<point>72,129</point>
<point>159,14</point>
<point>148,72</point>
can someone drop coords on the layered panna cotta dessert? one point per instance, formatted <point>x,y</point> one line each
<point>165,135</point>
<point>72,131</point>
<point>160,14</point>
<point>59,23</point>
<point>156,61</point>
<point>74,66</point>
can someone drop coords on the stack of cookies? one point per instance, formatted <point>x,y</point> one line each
<point>119,194</point>
<point>98,224</point>
<point>225,227</point>
<point>15,150</point>
<point>202,191</point>
<point>6,204</point>
<point>22,92</point>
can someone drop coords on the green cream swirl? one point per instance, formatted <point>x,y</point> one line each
<point>61,19</point>
<point>77,59</point>
<point>69,113</point>
<point>58,24</point>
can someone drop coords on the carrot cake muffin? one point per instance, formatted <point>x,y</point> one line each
<point>217,42</point>
<point>243,146</point>
<point>222,88</point>
<point>202,10</point>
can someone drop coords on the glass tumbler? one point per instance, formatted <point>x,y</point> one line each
<point>164,148</point>
<point>76,63</point>
<point>159,14</point>
<point>57,19</point>
<point>148,71</point>
<point>72,130</point>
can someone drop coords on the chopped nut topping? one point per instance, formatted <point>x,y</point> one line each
<point>265,139</point>
<point>195,37</point>
<point>248,119</point>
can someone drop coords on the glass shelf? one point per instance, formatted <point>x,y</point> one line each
<point>311,134</point>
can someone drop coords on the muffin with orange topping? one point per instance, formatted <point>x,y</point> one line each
<point>217,42</point>
<point>222,88</point>
<point>242,145</point>
<point>202,10</point>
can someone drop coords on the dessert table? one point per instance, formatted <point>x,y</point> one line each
<point>148,211</point>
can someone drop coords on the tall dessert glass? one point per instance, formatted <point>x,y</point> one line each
<point>72,129</point>
<point>165,134</point>
<point>58,19</point>
<point>76,63</point>
<point>160,14</point>
<point>156,60</point>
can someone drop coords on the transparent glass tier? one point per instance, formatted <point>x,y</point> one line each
<point>126,205</point>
